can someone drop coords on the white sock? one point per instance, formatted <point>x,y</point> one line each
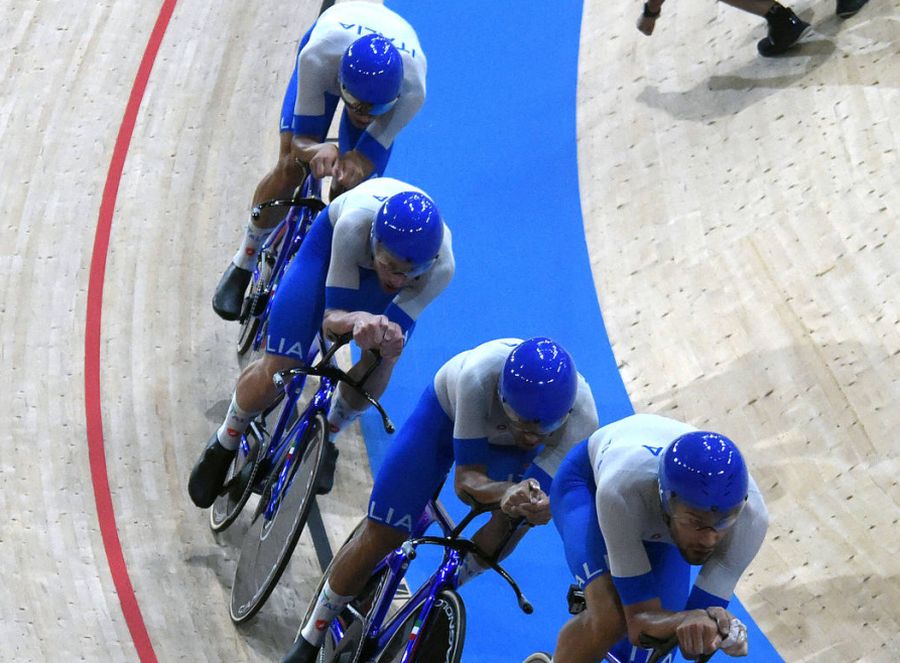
<point>254,237</point>
<point>328,606</point>
<point>235,425</point>
<point>469,568</point>
<point>341,414</point>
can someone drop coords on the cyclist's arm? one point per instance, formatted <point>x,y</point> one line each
<point>306,147</point>
<point>351,169</point>
<point>473,485</point>
<point>370,332</point>
<point>314,108</point>
<point>650,619</point>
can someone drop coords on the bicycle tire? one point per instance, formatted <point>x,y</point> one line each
<point>443,634</point>
<point>229,504</point>
<point>269,543</point>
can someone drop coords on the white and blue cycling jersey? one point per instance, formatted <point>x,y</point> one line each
<point>334,269</point>
<point>459,419</point>
<point>607,508</point>
<point>312,95</point>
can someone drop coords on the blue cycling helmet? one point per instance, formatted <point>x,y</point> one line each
<point>538,384</point>
<point>371,74</point>
<point>410,228</point>
<point>704,470</point>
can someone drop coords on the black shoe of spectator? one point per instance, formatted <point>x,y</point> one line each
<point>785,30</point>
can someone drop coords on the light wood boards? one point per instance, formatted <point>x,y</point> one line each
<point>741,216</point>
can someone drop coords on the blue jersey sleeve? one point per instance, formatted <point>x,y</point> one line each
<point>311,125</point>
<point>344,299</point>
<point>471,452</point>
<point>700,600</point>
<point>396,314</point>
<point>636,588</point>
<point>373,151</point>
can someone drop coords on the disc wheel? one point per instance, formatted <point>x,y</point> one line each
<point>270,541</point>
<point>441,636</point>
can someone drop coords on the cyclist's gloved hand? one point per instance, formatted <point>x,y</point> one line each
<point>698,634</point>
<point>322,164</point>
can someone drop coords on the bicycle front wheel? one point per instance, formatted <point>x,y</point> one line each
<point>271,540</point>
<point>352,619</point>
<point>441,636</point>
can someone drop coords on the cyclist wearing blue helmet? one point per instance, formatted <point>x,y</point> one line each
<point>632,504</point>
<point>360,53</point>
<point>341,281</point>
<point>505,413</point>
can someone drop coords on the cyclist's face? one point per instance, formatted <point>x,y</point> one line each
<point>392,272</point>
<point>697,533</point>
<point>528,434</point>
<point>525,435</point>
<point>359,118</point>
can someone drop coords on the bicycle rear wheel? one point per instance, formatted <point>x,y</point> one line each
<point>441,636</point>
<point>269,542</point>
<point>238,487</point>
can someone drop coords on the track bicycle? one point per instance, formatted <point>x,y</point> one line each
<point>429,626</point>
<point>283,467</point>
<point>274,255</point>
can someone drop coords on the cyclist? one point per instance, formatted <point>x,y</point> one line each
<point>370,58</point>
<point>629,503</point>
<point>505,412</point>
<point>372,261</point>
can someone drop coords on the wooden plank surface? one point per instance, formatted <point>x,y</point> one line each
<point>741,216</point>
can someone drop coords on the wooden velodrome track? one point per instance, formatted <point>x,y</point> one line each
<point>741,217</point>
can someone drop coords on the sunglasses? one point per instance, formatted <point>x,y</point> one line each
<point>532,427</point>
<point>363,107</point>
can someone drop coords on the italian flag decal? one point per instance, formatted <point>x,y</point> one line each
<point>415,631</point>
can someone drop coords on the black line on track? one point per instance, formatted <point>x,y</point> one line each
<point>319,536</point>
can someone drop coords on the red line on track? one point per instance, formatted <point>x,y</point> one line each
<point>92,396</point>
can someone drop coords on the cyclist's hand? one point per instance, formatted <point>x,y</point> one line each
<point>518,496</point>
<point>698,634</point>
<point>392,343</point>
<point>735,643</point>
<point>369,330</point>
<point>377,332</point>
<point>537,512</point>
<point>322,164</point>
<point>349,171</point>
<point>646,24</point>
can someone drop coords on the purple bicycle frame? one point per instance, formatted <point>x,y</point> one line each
<point>294,226</point>
<point>379,632</point>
